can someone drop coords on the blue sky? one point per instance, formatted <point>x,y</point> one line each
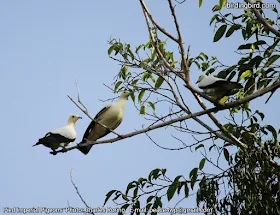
<point>45,46</point>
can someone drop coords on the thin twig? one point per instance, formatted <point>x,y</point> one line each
<point>79,100</point>
<point>264,21</point>
<point>77,191</point>
<point>179,119</point>
<point>155,23</point>
<point>86,113</point>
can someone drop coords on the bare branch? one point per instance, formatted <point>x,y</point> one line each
<point>179,119</point>
<point>155,23</point>
<point>180,42</point>
<point>86,113</point>
<point>77,190</point>
<point>79,100</point>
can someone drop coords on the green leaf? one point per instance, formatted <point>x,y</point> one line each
<point>223,3</point>
<point>244,34</point>
<point>150,198</point>
<point>213,18</point>
<point>138,48</point>
<point>259,42</point>
<point>250,86</point>
<point>273,131</point>
<point>129,186</point>
<point>111,49</point>
<point>245,46</point>
<point>219,33</point>
<point>231,75</point>
<point>137,205</point>
<point>199,146</point>
<point>148,206</point>
<point>224,99</point>
<point>134,82</point>
<point>124,207</point>
<point>200,3</point>
<point>226,154</point>
<point>257,61</point>
<point>108,195</point>
<point>193,173</point>
<point>145,76</point>
<point>204,55</point>
<point>125,198</point>
<point>141,94</point>
<point>171,191</point>
<point>132,95</point>
<point>193,181</point>
<point>260,114</point>
<point>202,163</point>
<point>158,202</point>
<point>245,74</point>
<point>143,110</point>
<point>177,178</point>
<point>152,106</point>
<point>159,82</point>
<point>271,60</point>
<point>153,54</point>
<point>232,29</point>
<point>186,190</point>
<point>135,192</point>
<point>117,85</point>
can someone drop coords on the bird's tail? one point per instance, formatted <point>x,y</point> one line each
<point>85,149</point>
<point>36,144</point>
<point>239,86</point>
<point>235,85</point>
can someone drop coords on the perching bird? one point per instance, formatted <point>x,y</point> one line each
<point>111,116</point>
<point>60,137</point>
<point>217,88</point>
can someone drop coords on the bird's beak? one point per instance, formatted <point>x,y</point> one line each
<point>80,117</point>
<point>196,82</point>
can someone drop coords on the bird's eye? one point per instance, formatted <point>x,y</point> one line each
<point>73,116</point>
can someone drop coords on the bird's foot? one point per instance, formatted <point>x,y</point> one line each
<point>53,152</point>
<point>63,150</point>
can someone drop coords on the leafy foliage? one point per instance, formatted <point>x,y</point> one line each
<point>249,184</point>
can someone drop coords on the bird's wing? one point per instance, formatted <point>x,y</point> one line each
<point>96,131</point>
<point>93,123</point>
<point>212,82</point>
<point>66,131</point>
<point>52,138</point>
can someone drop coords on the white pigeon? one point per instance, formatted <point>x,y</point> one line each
<point>60,137</point>
<point>215,87</point>
<point>111,116</point>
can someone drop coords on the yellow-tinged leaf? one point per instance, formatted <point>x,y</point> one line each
<point>152,106</point>
<point>224,100</point>
<point>223,3</point>
<point>141,94</point>
<point>143,110</point>
<point>245,74</point>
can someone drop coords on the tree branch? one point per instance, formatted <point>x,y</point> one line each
<point>179,119</point>
<point>263,21</point>
<point>77,191</point>
<point>180,42</point>
<point>86,113</point>
<point>155,23</point>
